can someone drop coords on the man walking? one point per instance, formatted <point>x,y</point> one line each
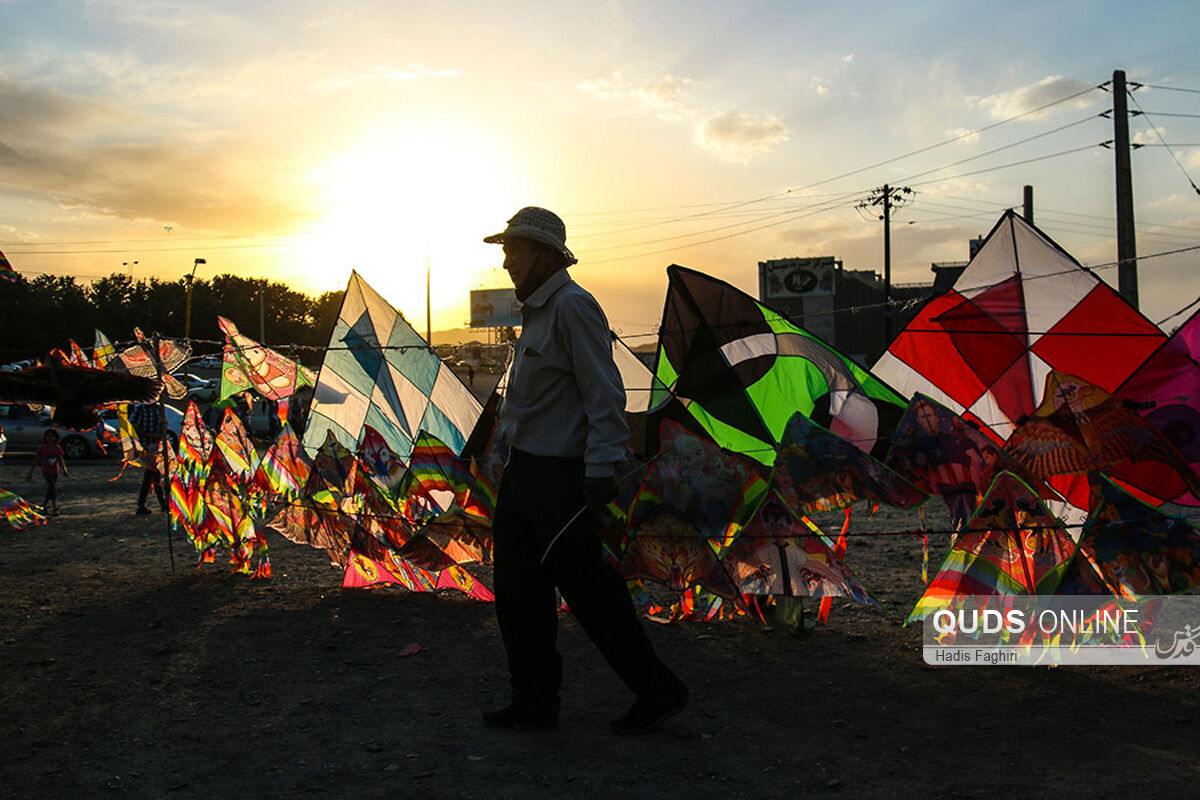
<point>563,417</point>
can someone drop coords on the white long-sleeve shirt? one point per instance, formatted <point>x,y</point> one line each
<point>565,396</point>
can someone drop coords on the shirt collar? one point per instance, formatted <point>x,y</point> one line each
<point>542,294</point>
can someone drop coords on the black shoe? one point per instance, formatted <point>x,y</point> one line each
<point>142,510</point>
<point>647,715</point>
<point>532,718</point>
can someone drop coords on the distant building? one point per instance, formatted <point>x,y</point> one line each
<point>804,289</point>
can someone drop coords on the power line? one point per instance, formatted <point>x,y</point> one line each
<point>1054,211</point>
<point>1012,164</point>
<point>1137,85</point>
<point>1139,113</point>
<point>797,215</point>
<point>1158,133</point>
<point>789,213</point>
<point>828,207</point>
<point>892,160</point>
<point>1088,118</point>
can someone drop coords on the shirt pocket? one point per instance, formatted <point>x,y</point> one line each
<point>538,375</point>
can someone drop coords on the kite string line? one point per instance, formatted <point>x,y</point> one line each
<point>900,304</point>
<point>974,289</point>
<point>458,524</point>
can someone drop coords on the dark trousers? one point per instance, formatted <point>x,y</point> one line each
<point>150,480</point>
<point>538,495</point>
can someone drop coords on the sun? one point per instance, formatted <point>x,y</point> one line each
<point>396,204</point>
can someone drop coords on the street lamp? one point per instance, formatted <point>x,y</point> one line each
<point>187,320</point>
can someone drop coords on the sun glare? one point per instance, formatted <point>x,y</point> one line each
<point>394,204</point>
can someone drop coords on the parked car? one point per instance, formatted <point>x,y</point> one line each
<point>207,362</point>
<point>25,430</point>
<point>202,390</point>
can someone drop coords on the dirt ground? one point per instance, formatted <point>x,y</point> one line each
<point>121,677</point>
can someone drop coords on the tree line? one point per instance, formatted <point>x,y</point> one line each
<point>45,312</point>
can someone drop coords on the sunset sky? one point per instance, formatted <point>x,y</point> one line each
<point>298,140</point>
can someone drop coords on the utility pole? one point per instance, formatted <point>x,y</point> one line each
<point>888,197</point>
<point>428,320</point>
<point>1028,213</point>
<point>1127,282</point>
<point>262,314</point>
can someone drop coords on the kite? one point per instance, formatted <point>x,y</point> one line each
<point>324,515</point>
<point>103,351</point>
<point>713,488</point>
<point>7,273</point>
<point>1166,391</point>
<point>487,454</point>
<point>249,365</point>
<point>421,559</point>
<point>316,519</point>
<point>364,571</point>
<point>442,486</point>
<point>284,468</point>
<point>77,356</point>
<point>739,370</point>
<point>16,512</point>
<point>381,464</point>
<point>140,359</point>
<point>782,553</point>
<point>942,454</point>
<point>228,522</point>
<point>692,504</point>
<point>435,470</point>
<point>1132,550</point>
<point>667,547</point>
<point>378,371</point>
<point>74,391</point>
<point>1080,428</point>
<point>233,443</point>
<point>1021,308</point>
<point>1013,545</point>
<point>819,471</point>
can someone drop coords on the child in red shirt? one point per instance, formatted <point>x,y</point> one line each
<point>52,459</point>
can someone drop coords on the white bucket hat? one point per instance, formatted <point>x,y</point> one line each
<point>539,225</point>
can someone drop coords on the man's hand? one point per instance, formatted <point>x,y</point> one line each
<point>599,492</point>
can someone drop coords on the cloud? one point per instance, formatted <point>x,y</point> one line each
<point>668,98</point>
<point>737,137</point>
<point>963,135</point>
<point>846,59</point>
<point>1191,158</point>
<point>81,154</point>
<point>1023,100</point>
<point>610,88</point>
<point>1148,137</point>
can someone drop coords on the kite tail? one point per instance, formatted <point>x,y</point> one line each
<point>924,546</point>
<point>840,551</point>
<point>263,570</point>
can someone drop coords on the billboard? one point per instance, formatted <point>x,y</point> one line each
<point>494,308</point>
<point>796,277</point>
